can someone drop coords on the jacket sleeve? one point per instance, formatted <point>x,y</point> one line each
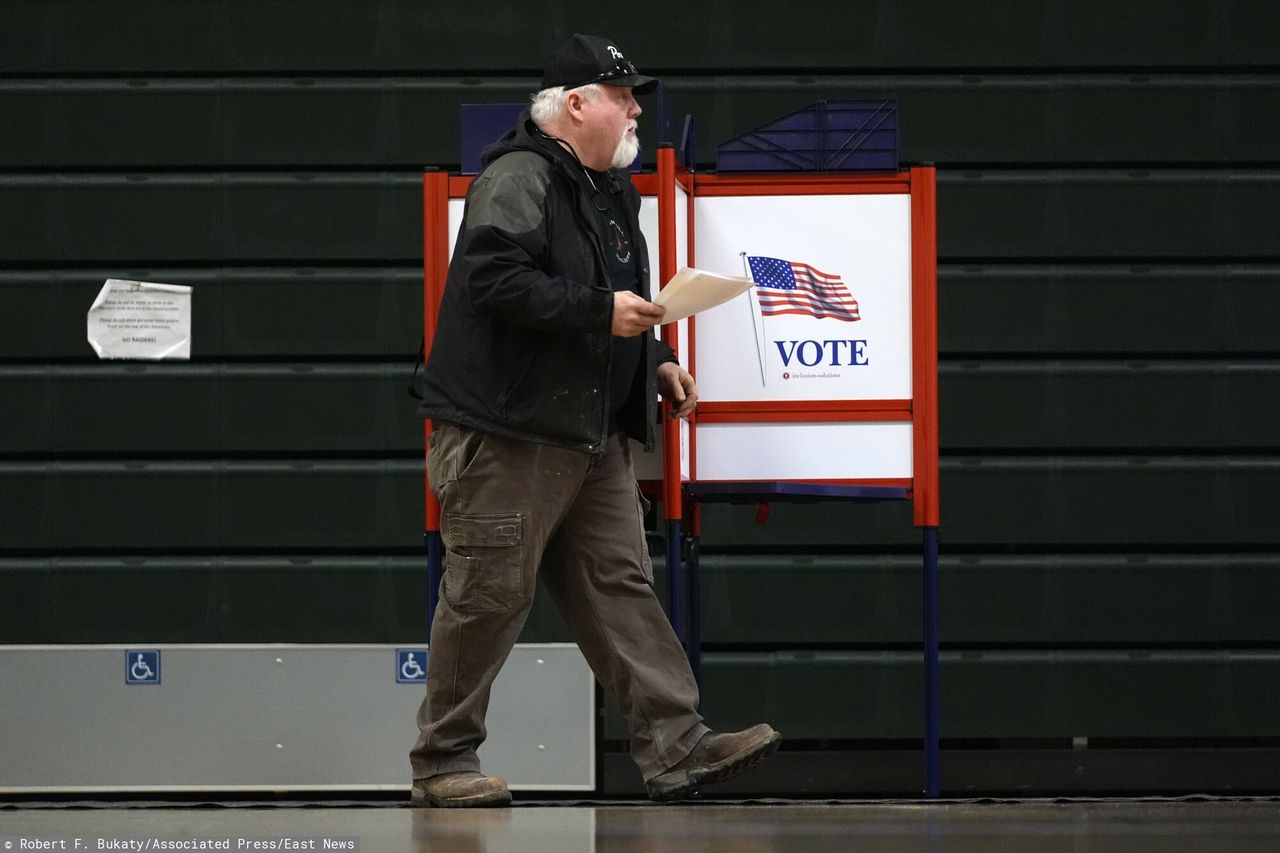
<point>503,242</point>
<point>664,353</point>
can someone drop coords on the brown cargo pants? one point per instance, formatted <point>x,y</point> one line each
<point>512,511</point>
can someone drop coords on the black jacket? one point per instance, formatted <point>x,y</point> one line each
<point>522,342</point>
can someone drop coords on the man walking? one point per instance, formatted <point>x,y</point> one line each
<point>543,364</point>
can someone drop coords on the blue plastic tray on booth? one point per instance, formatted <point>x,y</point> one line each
<point>826,136</point>
<point>482,125</point>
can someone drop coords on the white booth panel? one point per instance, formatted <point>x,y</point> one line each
<point>865,242</point>
<point>804,451</point>
<point>649,228</point>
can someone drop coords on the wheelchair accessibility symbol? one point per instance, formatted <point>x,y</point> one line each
<point>142,666</point>
<point>411,666</point>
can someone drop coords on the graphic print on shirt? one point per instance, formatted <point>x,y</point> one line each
<point>618,243</point>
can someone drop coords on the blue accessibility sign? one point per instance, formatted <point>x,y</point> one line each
<point>411,666</point>
<point>142,666</point>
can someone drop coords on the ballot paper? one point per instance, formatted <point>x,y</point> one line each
<point>693,290</point>
<point>138,319</point>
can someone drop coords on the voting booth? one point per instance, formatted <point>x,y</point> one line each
<point>817,383</point>
<point>820,383</point>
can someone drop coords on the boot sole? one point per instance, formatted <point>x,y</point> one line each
<point>491,799</point>
<point>689,782</point>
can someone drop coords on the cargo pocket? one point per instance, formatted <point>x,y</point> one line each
<point>642,509</point>
<point>484,562</point>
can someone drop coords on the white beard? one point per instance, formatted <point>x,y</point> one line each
<point>627,151</point>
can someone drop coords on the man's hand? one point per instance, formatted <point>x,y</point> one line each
<point>633,315</point>
<point>677,387</point>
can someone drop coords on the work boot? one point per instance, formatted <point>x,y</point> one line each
<point>466,789</point>
<point>717,757</point>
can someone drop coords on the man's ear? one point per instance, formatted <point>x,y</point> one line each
<point>573,103</point>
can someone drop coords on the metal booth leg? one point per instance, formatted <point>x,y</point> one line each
<point>435,572</point>
<point>676,583</point>
<point>931,733</point>
<point>694,585</point>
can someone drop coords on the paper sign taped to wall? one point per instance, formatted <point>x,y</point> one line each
<point>138,319</point>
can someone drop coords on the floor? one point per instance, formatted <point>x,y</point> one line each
<point>1043,826</point>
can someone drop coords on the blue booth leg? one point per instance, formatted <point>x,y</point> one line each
<point>693,583</point>
<point>931,734</point>
<point>676,595</point>
<point>435,572</point>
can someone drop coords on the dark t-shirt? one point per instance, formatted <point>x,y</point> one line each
<point>624,274</point>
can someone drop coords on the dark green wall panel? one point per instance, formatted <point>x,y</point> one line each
<point>1108,284</point>
<point>377,311</point>
<point>233,122</point>
<point>986,503</point>
<point>1116,694</point>
<point>1012,309</point>
<point>160,220</point>
<point>997,503</point>
<point>238,312</point>
<point>1058,600</point>
<point>1105,404</point>
<point>375,217</point>
<point>228,599</point>
<point>165,507</point>
<point>226,410</point>
<point>285,35</point>
<point>1142,601</point>
<point>118,408</point>
<point>215,599</point>
<point>1013,120</point>
<point>1083,214</point>
<point>373,122</point>
<point>1113,694</point>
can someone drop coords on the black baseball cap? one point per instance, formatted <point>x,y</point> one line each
<point>583,60</point>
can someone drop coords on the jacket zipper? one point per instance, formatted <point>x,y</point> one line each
<point>602,268</point>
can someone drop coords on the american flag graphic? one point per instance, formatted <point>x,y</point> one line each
<point>790,287</point>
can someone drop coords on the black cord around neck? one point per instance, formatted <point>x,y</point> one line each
<point>599,200</point>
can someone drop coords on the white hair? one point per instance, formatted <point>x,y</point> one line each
<point>548,104</point>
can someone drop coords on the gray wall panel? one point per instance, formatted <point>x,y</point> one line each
<point>268,718</point>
